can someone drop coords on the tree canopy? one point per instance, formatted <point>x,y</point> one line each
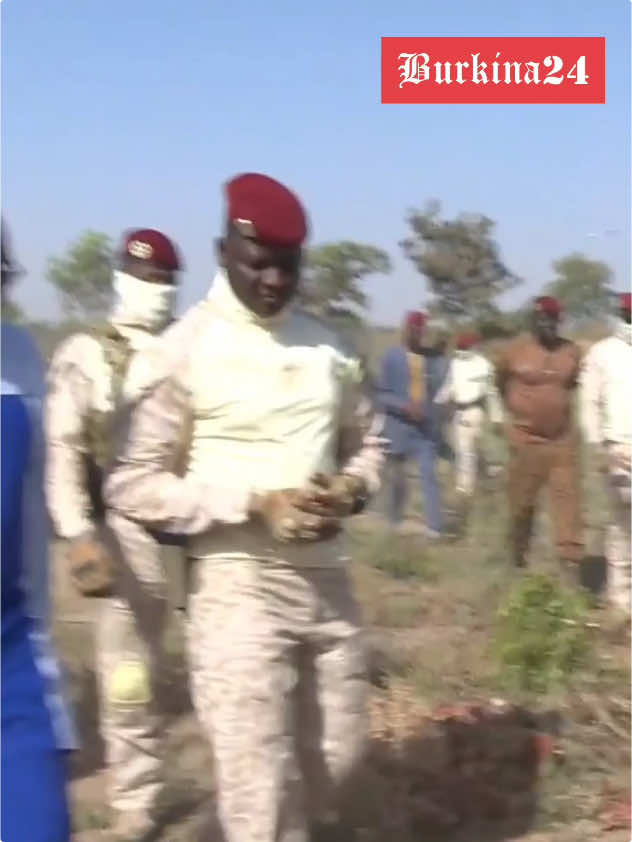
<point>460,260</point>
<point>83,276</point>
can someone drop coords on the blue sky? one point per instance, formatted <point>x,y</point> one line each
<point>119,114</point>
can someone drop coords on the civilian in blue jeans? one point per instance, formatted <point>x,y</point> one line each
<point>410,377</point>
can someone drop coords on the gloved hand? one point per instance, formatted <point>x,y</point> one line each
<point>91,567</point>
<point>286,522</point>
<point>337,496</point>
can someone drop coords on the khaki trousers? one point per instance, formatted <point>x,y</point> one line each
<point>129,653</point>
<point>532,467</point>
<point>618,535</point>
<point>279,683</point>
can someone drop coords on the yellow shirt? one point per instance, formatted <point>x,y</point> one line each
<point>417,372</point>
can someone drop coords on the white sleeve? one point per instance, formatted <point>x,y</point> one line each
<point>590,397</point>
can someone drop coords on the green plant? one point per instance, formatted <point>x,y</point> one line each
<point>398,557</point>
<point>541,636</point>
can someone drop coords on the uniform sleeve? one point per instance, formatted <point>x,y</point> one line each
<point>446,390</point>
<point>590,398</point>
<point>66,410</point>
<point>577,359</point>
<point>494,403</point>
<point>503,371</point>
<point>361,445</point>
<point>389,400</point>
<point>145,484</point>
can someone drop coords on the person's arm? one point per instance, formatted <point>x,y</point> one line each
<point>590,398</point>
<point>389,400</point>
<point>445,394</point>
<point>66,409</point>
<point>143,484</point>
<point>577,365</point>
<point>502,372</point>
<point>493,402</point>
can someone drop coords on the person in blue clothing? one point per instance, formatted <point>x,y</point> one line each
<point>410,377</point>
<point>37,732</point>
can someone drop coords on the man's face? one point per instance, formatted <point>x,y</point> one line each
<point>545,327</point>
<point>144,271</point>
<point>264,278</point>
<point>413,336</point>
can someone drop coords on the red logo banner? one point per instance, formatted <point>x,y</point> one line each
<point>499,71</point>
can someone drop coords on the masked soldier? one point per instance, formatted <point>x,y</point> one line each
<point>92,379</point>
<point>279,451</point>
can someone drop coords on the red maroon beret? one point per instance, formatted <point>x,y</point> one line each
<point>467,340</point>
<point>264,209</point>
<point>415,318</point>
<point>153,247</point>
<point>549,305</point>
<point>625,301</point>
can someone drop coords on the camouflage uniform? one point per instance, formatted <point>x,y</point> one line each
<point>275,645</point>
<point>470,390</point>
<point>92,382</point>
<point>607,424</point>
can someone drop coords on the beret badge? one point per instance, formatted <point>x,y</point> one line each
<point>245,227</point>
<point>139,249</point>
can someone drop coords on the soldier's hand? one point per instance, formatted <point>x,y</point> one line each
<point>91,567</point>
<point>287,522</point>
<point>339,495</point>
<point>414,412</point>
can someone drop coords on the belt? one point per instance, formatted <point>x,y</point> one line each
<point>478,402</point>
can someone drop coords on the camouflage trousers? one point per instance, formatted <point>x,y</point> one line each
<point>279,682</point>
<point>532,467</point>
<point>618,534</point>
<point>129,654</point>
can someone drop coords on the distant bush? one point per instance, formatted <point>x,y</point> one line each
<point>541,636</point>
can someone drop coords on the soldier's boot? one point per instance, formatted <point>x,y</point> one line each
<point>134,825</point>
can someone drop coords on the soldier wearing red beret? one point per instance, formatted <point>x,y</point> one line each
<point>536,376</point>
<point>410,376</point>
<point>281,447</point>
<point>469,390</point>
<point>93,378</point>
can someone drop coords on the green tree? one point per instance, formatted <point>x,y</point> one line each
<point>83,276</point>
<point>331,286</point>
<point>12,312</point>
<point>583,287</point>
<point>460,260</point>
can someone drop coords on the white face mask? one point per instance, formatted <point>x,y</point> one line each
<point>142,304</point>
